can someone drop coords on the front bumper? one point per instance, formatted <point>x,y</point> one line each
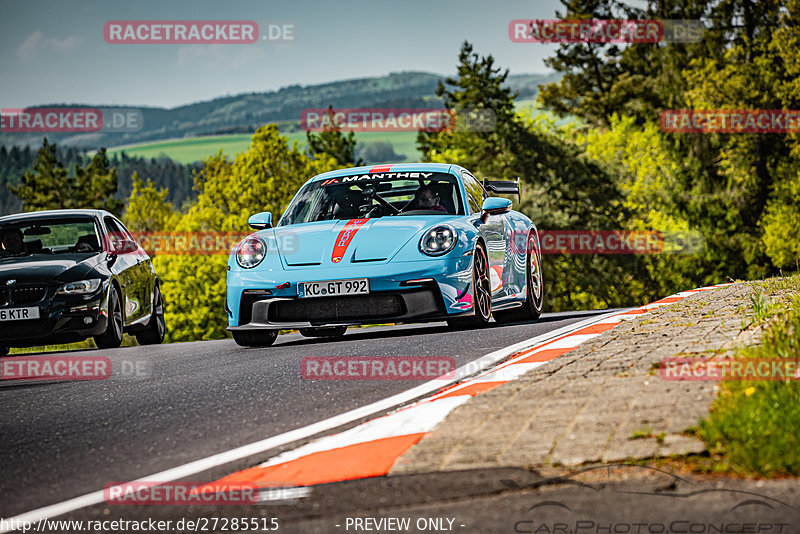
<point>399,292</point>
<point>62,319</point>
<point>413,305</point>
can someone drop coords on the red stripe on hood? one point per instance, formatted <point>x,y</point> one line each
<point>380,168</point>
<point>345,236</point>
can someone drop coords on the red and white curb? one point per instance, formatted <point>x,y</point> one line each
<point>372,448</point>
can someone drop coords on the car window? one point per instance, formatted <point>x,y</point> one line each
<point>374,195</point>
<point>475,192</point>
<point>115,231</point>
<point>51,235</point>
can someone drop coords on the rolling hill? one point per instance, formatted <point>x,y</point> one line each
<point>244,113</point>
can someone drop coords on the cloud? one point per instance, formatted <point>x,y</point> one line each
<point>37,42</point>
<point>217,55</point>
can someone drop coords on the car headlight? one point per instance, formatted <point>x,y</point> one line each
<point>438,240</point>
<point>82,287</point>
<point>251,252</point>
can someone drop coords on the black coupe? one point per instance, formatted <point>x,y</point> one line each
<point>67,275</point>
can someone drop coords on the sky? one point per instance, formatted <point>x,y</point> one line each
<point>55,51</point>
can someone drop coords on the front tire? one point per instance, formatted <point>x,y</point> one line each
<point>255,338</point>
<point>156,328</point>
<point>112,337</point>
<point>324,331</point>
<point>534,293</point>
<point>481,293</point>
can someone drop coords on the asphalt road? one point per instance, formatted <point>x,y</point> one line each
<point>65,439</point>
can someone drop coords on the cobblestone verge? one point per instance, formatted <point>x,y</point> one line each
<point>601,402</point>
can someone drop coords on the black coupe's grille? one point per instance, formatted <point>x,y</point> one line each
<point>28,295</point>
<point>337,308</point>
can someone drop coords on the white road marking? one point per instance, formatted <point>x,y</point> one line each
<point>419,418</point>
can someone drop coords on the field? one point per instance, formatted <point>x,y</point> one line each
<point>191,149</point>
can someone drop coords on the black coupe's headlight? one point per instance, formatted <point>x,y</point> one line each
<point>438,240</point>
<point>251,252</point>
<point>82,287</point>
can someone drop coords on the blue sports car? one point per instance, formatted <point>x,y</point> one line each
<point>409,242</point>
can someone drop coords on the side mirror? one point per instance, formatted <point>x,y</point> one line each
<point>260,221</point>
<point>494,206</point>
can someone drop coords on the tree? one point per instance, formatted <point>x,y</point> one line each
<point>735,188</point>
<point>331,142</point>
<point>49,185</point>
<point>148,209</point>
<point>562,188</point>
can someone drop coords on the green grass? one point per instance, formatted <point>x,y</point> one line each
<point>127,341</point>
<point>190,149</point>
<point>754,427</point>
<point>642,433</point>
<point>759,303</point>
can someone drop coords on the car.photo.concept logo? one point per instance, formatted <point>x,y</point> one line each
<point>734,511</point>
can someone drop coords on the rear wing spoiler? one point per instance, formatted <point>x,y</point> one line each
<point>503,187</point>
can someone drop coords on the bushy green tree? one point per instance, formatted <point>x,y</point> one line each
<point>735,188</point>
<point>563,189</point>
<point>49,185</point>
<point>148,209</point>
<point>331,142</point>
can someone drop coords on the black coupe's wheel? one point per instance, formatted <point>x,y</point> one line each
<point>534,295</point>
<point>324,331</point>
<point>112,337</point>
<point>156,328</point>
<point>481,293</point>
<point>255,338</point>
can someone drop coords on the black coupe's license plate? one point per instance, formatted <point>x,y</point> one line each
<point>18,314</point>
<point>333,288</point>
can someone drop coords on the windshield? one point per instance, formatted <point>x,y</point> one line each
<point>376,195</point>
<point>49,236</point>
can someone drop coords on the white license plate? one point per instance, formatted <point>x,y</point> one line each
<point>18,314</point>
<point>333,288</point>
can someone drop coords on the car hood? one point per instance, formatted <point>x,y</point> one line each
<point>47,268</point>
<point>346,242</point>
